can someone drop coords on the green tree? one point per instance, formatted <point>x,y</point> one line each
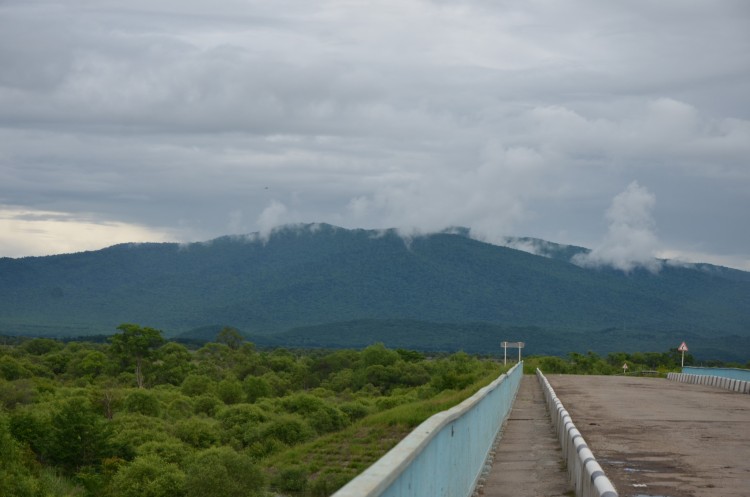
<point>173,364</point>
<point>41,346</point>
<point>87,363</point>
<point>378,354</point>
<point>230,337</point>
<point>136,344</point>
<point>79,435</point>
<point>31,426</point>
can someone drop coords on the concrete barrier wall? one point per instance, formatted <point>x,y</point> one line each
<point>734,373</point>
<point>586,476</point>
<point>445,455</point>
<point>732,384</point>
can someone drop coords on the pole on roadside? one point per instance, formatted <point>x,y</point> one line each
<point>682,348</point>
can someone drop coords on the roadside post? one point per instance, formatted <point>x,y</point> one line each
<point>512,345</point>
<point>625,368</point>
<point>682,348</point>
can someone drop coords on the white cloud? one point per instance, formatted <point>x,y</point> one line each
<point>630,241</point>
<point>273,216</point>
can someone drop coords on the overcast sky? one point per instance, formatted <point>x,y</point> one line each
<point>623,126</point>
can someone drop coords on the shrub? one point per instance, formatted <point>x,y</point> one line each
<point>328,482</point>
<point>328,419</point>
<point>240,415</point>
<point>143,402</point>
<point>289,429</point>
<point>200,433</point>
<point>206,404</point>
<point>133,430</point>
<point>255,388</point>
<point>222,472</point>
<point>230,391</point>
<point>13,393</point>
<point>355,410</point>
<point>149,476</point>
<point>195,384</point>
<point>180,407</point>
<point>290,479</point>
<point>171,450</point>
<point>12,369</point>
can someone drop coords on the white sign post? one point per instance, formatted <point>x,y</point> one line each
<point>512,345</point>
<point>625,368</point>
<point>683,348</point>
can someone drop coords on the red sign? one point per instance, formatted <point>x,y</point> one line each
<point>683,347</point>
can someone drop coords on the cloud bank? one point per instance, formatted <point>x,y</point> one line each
<point>512,118</point>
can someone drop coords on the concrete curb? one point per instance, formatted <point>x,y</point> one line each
<point>585,474</point>
<point>731,384</point>
<point>445,455</point>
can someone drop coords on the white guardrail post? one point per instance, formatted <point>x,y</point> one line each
<point>585,474</point>
<point>445,455</point>
<point>732,384</point>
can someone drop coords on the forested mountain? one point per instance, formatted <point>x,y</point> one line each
<point>315,275</point>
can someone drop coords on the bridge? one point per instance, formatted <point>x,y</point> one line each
<point>589,436</point>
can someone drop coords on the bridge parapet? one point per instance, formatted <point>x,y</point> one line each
<point>585,473</point>
<point>725,383</point>
<point>445,455</point>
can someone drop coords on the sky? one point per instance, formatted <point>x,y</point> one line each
<point>621,126</point>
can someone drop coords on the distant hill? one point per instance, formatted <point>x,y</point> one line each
<point>305,277</point>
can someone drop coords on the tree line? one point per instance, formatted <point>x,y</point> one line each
<point>613,363</point>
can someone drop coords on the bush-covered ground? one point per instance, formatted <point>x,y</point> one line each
<point>140,416</point>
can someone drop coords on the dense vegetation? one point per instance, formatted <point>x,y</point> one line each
<point>140,416</point>
<point>322,275</point>
<point>485,338</point>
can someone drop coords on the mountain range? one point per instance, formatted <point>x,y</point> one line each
<point>320,285</point>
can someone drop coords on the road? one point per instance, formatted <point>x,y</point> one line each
<point>655,437</point>
<point>528,461</point>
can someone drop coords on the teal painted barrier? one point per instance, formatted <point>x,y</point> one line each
<point>445,455</point>
<point>733,373</point>
<point>723,382</point>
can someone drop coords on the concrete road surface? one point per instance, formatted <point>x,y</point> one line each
<point>655,437</point>
<point>528,461</point>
